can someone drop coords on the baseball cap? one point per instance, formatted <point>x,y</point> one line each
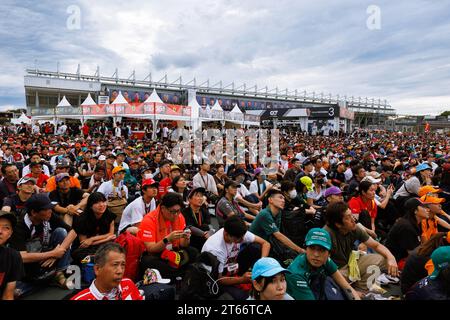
<point>10,216</point>
<point>320,237</point>
<point>267,267</point>
<point>154,276</point>
<point>306,162</point>
<point>238,172</point>
<point>427,189</point>
<point>257,171</point>
<point>193,191</point>
<point>118,169</point>
<point>102,157</point>
<point>374,174</point>
<point>441,260</point>
<point>174,168</point>
<point>63,163</point>
<point>149,182</point>
<point>61,176</point>
<point>307,182</point>
<point>332,191</point>
<point>371,179</point>
<point>423,166</point>
<point>25,180</point>
<point>430,199</point>
<point>413,203</point>
<point>111,155</point>
<point>40,201</point>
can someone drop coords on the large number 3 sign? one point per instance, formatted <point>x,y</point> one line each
<point>331,112</point>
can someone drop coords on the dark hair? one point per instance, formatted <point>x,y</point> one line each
<point>335,213</point>
<point>287,185</point>
<point>436,240</point>
<point>273,192</point>
<point>445,179</point>
<point>6,166</point>
<point>356,169</point>
<point>163,163</point>
<point>172,199</point>
<point>102,252</point>
<point>267,280</point>
<point>364,186</point>
<point>94,198</point>
<point>235,227</point>
<point>175,181</point>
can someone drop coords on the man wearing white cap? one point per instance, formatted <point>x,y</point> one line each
<point>16,203</point>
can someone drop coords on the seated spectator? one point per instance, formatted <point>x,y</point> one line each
<point>260,186</point>
<point>94,227</point>
<point>430,225</point>
<point>179,185</point>
<point>136,210</point>
<point>310,271</point>
<point>197,218</point>
<point>363,206</point>
<point>167,244</point>
<point>344,232</point>
<point>269,282</point>
<point>43,241</point>
<point>227,205</point>
<point>62,166</point>
<point>220,178</point>
<point>96,179</point>
<point>35,158</point>
<point>17,203</point>
<point>70,201</point>
<point>109,283</point>
<point>227,245</point>
<point>315,198</point>
<point>37,174</point>
<point>267,224</point>
<point>8,185</point>
<point>116,192</point>
<point>87,169</point>
<point>11,265</point>
<point>204,180</point>
<point>406,233</point>
<point>166,183</point>
<point>250,203</point>
<point>418,264</point>
<point>437,285</point>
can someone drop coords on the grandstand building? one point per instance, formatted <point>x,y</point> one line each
<point>312,112</point>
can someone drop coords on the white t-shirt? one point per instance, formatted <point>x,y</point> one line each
<point>107,189</point>
<point>254,187</point>
<point>26,170</point>
<point>118,132</point>
<point>206,182</point>
<point>348,174</point>
<point>165,132</point>
<point>225,252</point>
<point>135,212</point>
<point>316,195</point>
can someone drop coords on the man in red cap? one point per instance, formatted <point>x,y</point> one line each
<point>136,210</point>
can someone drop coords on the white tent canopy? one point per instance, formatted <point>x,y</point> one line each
<point>154,98</point>
<point>120,99</point>
<point>23,118</point>
<point>236,110</point>
<point>216,106</point>
<point>89,101</point>
<point>63,103</point>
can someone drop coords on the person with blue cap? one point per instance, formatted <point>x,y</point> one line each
<point>437,285</point>
<point>314,276</point>
<point>268,280</point>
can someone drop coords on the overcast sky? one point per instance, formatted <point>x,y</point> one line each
<point>318,46</point>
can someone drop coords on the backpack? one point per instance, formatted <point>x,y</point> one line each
<point>294,225</point>
<point>134,248</point>
<point>199,281</point>
<point>325,288</point>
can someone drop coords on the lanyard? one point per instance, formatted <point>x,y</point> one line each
<point>206,184</point>
<point>199,220</point>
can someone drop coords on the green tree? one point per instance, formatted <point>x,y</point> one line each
<point>445,114</point>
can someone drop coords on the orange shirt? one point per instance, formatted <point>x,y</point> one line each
<point>51,183</point>
<point>429,228</point>
<point>148,229</point>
